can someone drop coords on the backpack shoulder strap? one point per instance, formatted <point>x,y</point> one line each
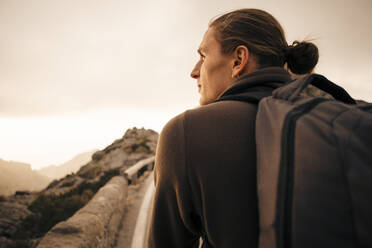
<point>291,91</point>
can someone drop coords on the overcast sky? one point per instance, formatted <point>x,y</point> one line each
<point>75,74</point>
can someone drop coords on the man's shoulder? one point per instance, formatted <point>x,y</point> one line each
<point>216,113</point>
<point>221,110</point>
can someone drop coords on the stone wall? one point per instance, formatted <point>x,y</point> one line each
<point>96,224</point>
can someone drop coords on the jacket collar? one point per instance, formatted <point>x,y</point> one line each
<point>257,84</point>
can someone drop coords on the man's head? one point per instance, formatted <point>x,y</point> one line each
<point>215,71</point>
<point>241,42</point>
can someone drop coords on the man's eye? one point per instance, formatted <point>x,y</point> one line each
<point>202,57</point>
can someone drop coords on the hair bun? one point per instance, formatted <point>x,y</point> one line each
<point>302,57</point>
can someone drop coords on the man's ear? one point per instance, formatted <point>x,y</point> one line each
<point>240,60</point>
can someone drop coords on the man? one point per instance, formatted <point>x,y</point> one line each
<point>205,170</point>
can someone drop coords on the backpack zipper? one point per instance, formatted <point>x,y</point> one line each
<point>286,173</point>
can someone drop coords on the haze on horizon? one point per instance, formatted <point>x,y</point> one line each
<point>74,75</point>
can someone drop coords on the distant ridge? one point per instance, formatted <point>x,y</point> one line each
<point>71,166</point>
<point>17,176</point>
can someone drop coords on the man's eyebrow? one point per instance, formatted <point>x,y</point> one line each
<point>200,51</point>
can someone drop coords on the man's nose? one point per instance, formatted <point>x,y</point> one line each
<point>195,73</point>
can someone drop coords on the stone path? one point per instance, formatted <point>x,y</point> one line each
<point>136,196</point>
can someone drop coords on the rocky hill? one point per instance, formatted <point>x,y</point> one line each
<point>71,166</point>
<point>25,217</point>
<point>19,176</point>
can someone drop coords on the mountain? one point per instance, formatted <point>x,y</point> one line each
<point>72,166</point>
<point>16,176</point>
<point>25,217</point>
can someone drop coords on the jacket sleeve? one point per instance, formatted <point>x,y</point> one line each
<point>172,222</point>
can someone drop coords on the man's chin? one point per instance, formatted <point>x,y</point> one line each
<point>203,101</point>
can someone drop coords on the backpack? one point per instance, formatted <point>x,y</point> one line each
<point>314,167</point>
